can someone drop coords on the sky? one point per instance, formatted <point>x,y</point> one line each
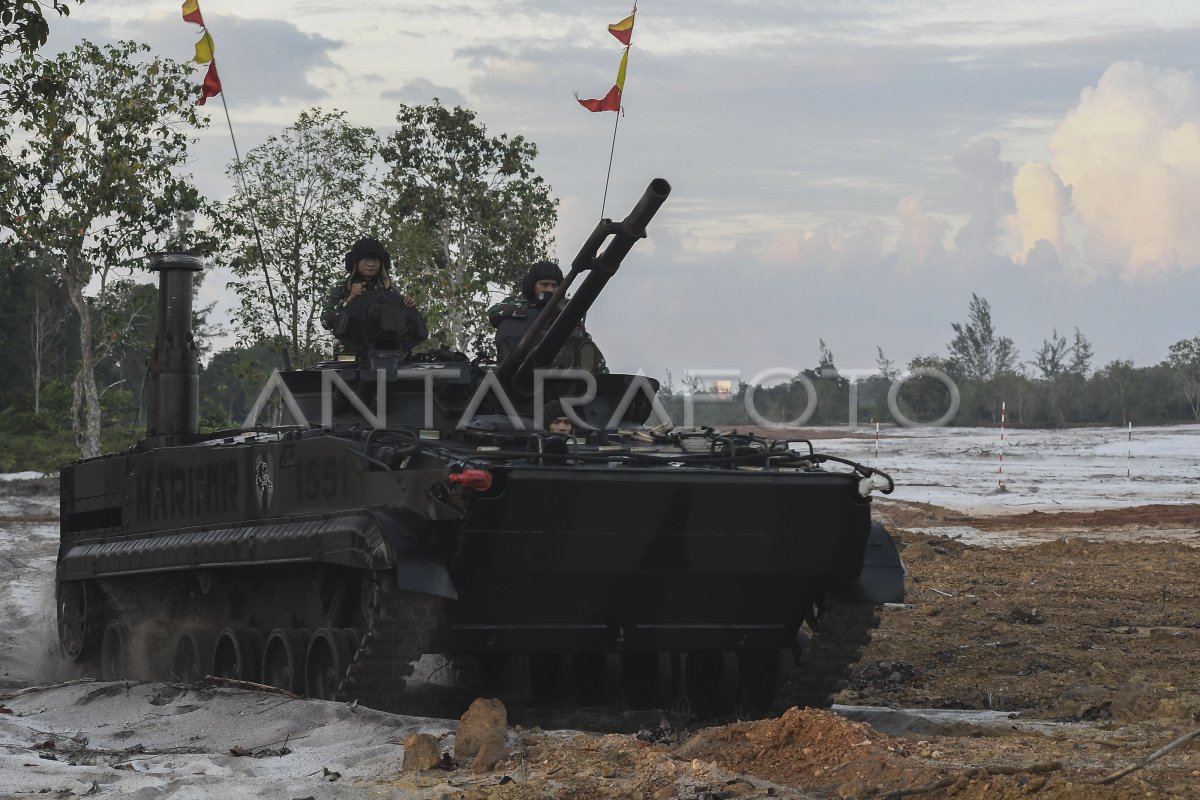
<point>842,171</point>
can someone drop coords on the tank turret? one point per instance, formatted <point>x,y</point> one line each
<point>532,353</point>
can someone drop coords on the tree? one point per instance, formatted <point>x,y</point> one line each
<point>1052,360</point>
<point>825,356</point>
<point>1007,359</point>
<point>309,191</point>
<point>1081,355</point>
<point>92,182</point>
<point>886,366</point>
<point>23,25</point>
<point>1183,358</point>
<point>1120,375</point>
<point>45,319</point>
<point>924,398</point>
<point>31,332</point>
<point>233,379</point>
<point>1051,357</point>
<point>468,215</point>
<point>975,351</point>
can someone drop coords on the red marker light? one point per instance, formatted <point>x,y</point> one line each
<point>478,479</point>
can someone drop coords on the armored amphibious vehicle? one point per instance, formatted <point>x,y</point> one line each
<point>413,503</point>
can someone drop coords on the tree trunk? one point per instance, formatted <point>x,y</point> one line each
<point>37,332</point>
<point>455,268</point>
<point>42,327</point>
<point>85,406</point>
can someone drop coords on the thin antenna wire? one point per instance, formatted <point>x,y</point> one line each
<point>608,175</point>
<point>620,110</point>
<point>262,259</point>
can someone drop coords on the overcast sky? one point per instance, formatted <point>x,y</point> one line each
<point>848,171</point>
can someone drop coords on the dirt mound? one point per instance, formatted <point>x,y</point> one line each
<point>1149,516</point>
<point>911,514</point>
<point>813,749</point>
<point>823,754</point>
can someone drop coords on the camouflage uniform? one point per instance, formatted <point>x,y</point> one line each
<point>514,315</point>
<point>333,314</point>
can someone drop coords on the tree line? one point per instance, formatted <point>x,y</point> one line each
<point>94,148</point>
<point>981,377</point>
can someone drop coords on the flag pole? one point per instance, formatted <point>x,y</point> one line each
<point>287,358</point>
<point>192,14</point>
<point>253,224</point>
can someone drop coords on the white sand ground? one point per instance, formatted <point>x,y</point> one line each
<point>156,741</point>
<point>1044,470</point>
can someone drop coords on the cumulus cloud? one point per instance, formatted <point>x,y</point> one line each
<point>922,235</point>
<point>831,245</point>
<point>1130,151</point>
<point>987,194</point>
<point>856,243</point>
<point>1042,204</point>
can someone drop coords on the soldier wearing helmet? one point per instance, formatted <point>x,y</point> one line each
<point>515,315</point>
<point>358,323</point>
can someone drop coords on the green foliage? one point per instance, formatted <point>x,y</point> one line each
<point>1114,395</point>
<point>976,351</point>
<point>1183,359</point>
<point>468,214</point>
<point>462,214</point>
<point>34,327</point>
<point>1081,355</point>
<point>232,381</point>
<point>1116,383</point>
<point>41,441</point>
<point>1051,358</point>
<point>90,153</point>
<point>23,25</point>
<point>309,190</point>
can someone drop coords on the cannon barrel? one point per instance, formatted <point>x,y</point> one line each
<point>530,353</point>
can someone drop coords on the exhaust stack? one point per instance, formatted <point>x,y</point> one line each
<point>174,396</point>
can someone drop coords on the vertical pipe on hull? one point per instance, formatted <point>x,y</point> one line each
<point>174,395</point>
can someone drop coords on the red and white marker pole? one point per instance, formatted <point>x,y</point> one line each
<point>1129,451</point>
<point>877,442</point>
<point>1000,471</point>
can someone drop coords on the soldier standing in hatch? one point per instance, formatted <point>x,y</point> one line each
<point>514,316</point>
<point>367,266</point>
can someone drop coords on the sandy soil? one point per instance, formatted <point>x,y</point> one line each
<point>1054,656</point>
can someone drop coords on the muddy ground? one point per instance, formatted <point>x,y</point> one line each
<point>1069,643</point>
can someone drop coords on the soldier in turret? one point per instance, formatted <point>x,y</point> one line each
<point>347,316</point>
<point>515,315</point>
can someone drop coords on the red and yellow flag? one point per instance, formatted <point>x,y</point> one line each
<point>610,101</point>
<point>623,30</point>
<point>204,52</point>
<point>191,12</point>
<point>204,49</point>
<point>211,86</point>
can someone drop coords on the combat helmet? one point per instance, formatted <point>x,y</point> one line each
<point>541,271</point>
<point>368,248</point>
